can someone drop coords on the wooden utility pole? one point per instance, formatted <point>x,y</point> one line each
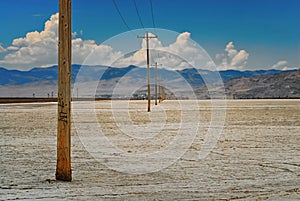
<point>155,83</point>
<point>147,37</point>
<point>63,166</point>
<point>163,93</point>
<point>159,88</point>
<point>156,80</point>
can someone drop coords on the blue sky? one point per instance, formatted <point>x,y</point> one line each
<point>265,33</point>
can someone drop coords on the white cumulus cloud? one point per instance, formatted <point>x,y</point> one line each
<point>231,51</point>
<point>280,65</point>
<point>283,65</point>
<point>102,54</point>
<point>232,58</point>
<point>182,53</point>
<point>240,59</point>
<point>35,49</point>
<point>38,49</point>
<point>2,49</point>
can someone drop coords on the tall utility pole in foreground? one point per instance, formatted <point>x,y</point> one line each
<point>147,37</point>
<point>63,165</point>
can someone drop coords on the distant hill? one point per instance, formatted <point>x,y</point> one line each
<point>195,78</point>
<point>280,85</point>
<point>16,77</point>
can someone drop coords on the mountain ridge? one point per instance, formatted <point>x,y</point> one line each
<point>16,77</point>
<point>39,82</point>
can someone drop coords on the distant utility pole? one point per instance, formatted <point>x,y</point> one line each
<point>63,165</point>
<point>159,88</point>
<point>162,93</point>
<point>156,80</point>
<point>77,92</point>
<point>147,37</point>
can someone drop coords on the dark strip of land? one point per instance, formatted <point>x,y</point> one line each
<point>26,100</point>
<point>41,100</point>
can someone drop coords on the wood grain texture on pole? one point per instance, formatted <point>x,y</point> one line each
<point>63,166</point>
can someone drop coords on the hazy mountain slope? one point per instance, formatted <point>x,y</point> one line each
<point>281,85</point>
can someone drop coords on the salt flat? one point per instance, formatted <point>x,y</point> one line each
<point>182,150</point>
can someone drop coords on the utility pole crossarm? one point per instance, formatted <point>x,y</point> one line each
<point>147,36</point>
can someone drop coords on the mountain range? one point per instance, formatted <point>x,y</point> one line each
<point>16,77</point>
<point>104,80</point>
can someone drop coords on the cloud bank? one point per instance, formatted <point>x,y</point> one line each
<point>281,65</point>
<point>40,49</point>
<point>181,54</point>
<point>35,49</point>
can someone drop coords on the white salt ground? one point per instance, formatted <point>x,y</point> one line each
<point>256,156</point>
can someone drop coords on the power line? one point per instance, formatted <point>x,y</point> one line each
<point>118,10</point>
<point>154,27</point>
<point>151,6</point>
<point>137,11</point>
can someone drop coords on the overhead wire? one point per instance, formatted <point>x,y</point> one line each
<point>152,14</point>
<point>157,55</point>
<point>140,19</point>
<point>120,14</point>
<point>138,14</point>
<point>154,27</point>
